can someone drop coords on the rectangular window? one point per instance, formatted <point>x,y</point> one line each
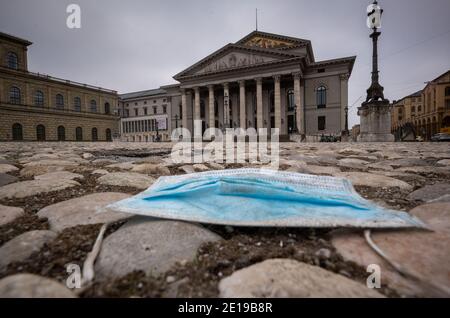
<point>145,110</point>
<point>136,112</point>
<point>165,110</point>
<point>155,110</point>
<point>321,123</point>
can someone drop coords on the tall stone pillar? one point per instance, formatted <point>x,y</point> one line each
<point>226,106</point>
<point>196,103</point>
<point>299,103</point>
<point>211,106</point>
<point>277,102</point>
<point>242,108</point>
<point>259,104</point>
<point>184,109</point>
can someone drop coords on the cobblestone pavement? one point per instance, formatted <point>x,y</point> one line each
<point>50,192</point>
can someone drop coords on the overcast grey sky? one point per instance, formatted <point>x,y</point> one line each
<point>135,45</point>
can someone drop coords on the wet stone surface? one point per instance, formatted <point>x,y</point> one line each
<point>61,188</point>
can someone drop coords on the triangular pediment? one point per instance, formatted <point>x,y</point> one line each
<point>235,59</point>
<point>234,56</point>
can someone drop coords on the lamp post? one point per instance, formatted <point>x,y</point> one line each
<point>157,131</point>
<point>375,112</point>
<point>374,13</point>
<point>176,121</point>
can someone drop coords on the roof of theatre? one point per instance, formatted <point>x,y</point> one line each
<point>146,93</point>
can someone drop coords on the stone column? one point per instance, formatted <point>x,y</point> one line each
<point>277,102</point>
<point>298,96</point>
<point>184,109</point>
<point>242,108</point>
<point>196,103</point>
<point>226,106</point>
<point>344,98</point>
<point>211,106</point>
<point>259,104</point>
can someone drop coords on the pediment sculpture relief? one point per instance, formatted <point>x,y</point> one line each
<point>234,60</point>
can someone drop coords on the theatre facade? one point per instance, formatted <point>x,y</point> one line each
<point>266,81</point>
<point>263,80</point>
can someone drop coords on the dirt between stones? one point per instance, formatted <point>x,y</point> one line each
<point>240,248</point>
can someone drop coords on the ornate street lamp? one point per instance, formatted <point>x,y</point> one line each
<point>375,112</point>
<point>374,13</point>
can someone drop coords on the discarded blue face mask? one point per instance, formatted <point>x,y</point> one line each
<point>259,197</point>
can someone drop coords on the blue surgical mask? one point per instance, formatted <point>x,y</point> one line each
<point>259,197</point>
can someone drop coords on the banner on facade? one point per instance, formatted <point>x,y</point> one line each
<point>162,123</point>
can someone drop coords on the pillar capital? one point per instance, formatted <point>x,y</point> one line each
<point>225,85</point>
<point>241,82</point>
<point>344,77</point>
<point>297,75</point>
<point>196,89</point>
<point>211,87</point>
<point>258,80</point>
<point>276,78</point>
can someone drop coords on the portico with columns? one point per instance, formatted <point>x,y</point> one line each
<point>266,81</point>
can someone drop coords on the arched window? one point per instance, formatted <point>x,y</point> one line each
<point>93,106</point>
<point>321,97</point>
<point>59,101</point>
<point>61,133</point>
<point>78,134</point>
<point>107,108</point>
<point>290,100</point>
<point>40,132</point>
<point>12,61</point>
<point>94,134</point>
<point>447,91</point>
<point>108,135</point>
<point>77,104</point>
<point>39,99</point>
<point>14,95</point>
<point>17,133</point>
